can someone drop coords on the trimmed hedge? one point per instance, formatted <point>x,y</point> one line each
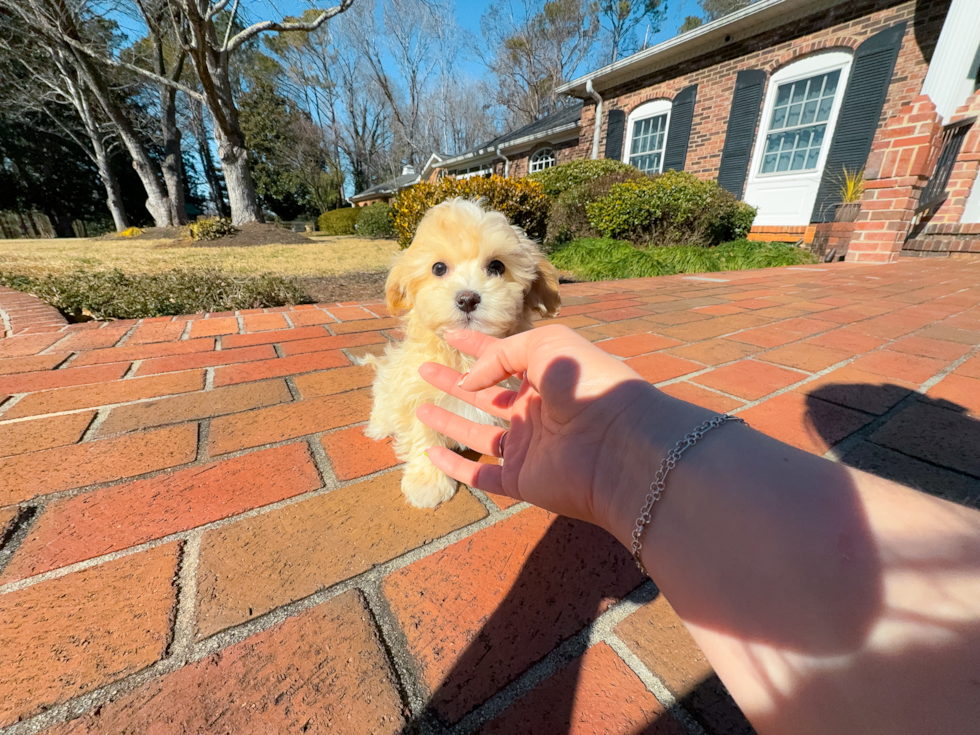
<point>559,179</point>
<point>521,200</point>
<point>604,259</point>
<point>674,208</point>
<point>376,220</point>
<point>339,221</point>
<point>567,217</point>
<point>115,295</point>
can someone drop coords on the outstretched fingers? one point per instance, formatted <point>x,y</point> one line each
<point>480,437</point>
<point>486,477</point>
<point>494,400</point>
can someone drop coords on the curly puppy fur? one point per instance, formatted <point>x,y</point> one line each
<point>467,268</point>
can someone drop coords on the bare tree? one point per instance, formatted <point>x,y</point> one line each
<point>43,79</point>
<point>211,52</point>
<point>165,56</point>
<point>531,56</point>
<point>66,28</point>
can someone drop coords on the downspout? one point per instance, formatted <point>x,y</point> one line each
<point>598,118</point>
<point>506,163</point>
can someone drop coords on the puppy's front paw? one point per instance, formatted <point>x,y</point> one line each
<point>425,486</point>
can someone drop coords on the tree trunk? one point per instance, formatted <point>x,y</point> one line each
<point>238,179</point>
<point>212,71</point>
<point>113,193</point>
<point>173,162</point>
<point>157,202</point>
<point>204,152</point>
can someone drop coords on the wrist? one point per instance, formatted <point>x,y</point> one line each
<point>645,434</point>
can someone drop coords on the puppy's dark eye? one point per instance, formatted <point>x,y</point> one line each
<point>496,268</point>
<point>439,269</point>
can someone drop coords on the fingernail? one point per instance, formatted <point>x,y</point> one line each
<point>426,455</point>
<point>459,383</point>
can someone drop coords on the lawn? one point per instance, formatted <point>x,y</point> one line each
<point>324,256</point>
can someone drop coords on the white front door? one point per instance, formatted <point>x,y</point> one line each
<point>798,121</point>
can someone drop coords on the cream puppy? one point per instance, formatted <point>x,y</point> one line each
<point>467,268</point>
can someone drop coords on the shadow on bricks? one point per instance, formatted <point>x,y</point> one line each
<point>540,614</point>
<point>925,442</point>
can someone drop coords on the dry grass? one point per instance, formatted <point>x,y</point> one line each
<point>325,256</point>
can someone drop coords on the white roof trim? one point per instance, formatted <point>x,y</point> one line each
<point>491,153</point>
<point>739,25</point>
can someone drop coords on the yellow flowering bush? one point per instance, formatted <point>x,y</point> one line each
<point>523,202</point>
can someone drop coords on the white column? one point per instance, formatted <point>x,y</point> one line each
<point>952,71</point>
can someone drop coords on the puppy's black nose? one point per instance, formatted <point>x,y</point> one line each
<point>467,301</point>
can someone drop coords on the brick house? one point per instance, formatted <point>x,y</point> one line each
<point>776,100</point>
<point>538,145</point>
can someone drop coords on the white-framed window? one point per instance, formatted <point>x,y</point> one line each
<point>646,136</point>
<point>474,171</point>
<point>797,124</point>
<point>542,159</point>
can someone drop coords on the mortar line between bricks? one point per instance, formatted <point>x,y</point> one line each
<point>845,445</point>
<point>130,371</point>
<point>185,333</point>
<point>383,568</point>
<point>22,525</point>
<point>182,643</point>
<point>414,693</point>
<point>127,334</point>
<point>325,467</point>
<point>93,427</point>
<point>293,390</point>
<point>554,661</point>
<point>653,684</point>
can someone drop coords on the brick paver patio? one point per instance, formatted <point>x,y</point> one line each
<point>195,536</point>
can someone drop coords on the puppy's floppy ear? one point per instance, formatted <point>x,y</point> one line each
<point>543,296</point>
<point>396,288</point>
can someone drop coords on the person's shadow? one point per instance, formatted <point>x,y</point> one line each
<point>572,576</point>
<point>577,570</point>
<point>931,444</point>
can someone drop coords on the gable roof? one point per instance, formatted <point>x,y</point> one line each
<point>392,186</point>
<point>564,119</point>
<point>760,16</point>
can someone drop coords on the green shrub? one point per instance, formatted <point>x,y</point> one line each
<point>673,208</point>
<point>567,217</point>
<point>376,220</point>
<point>210,228</point>
<point>339,221</point>
<point>559,179</point>
<point>521,200</point>
<point>605,259</point>
<point>115,295</point>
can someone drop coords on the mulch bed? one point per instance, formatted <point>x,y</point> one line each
<point>250,235</point>
<point>346,287</point>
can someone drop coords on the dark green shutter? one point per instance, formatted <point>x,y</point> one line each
<point>679,133</point>
<point>860,111</point>
<point>742,121</point>
<point>615,128</point>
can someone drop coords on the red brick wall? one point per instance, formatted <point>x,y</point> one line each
<point>845,26</point>
<point>564,152</point>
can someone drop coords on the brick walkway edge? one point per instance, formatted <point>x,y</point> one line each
<point>195,535</point>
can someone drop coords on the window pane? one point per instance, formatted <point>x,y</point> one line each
<point>782,94</point>
<point>793,117</point>
<point>799,90</point>
<point>823,112</point>
<point>784,158</point>
<point>778,118</point>
<point>830,89</point>
<point>769,163</point>
<point>811,159</point>
<point>816,86</point>
<point>809,113</point>
<point>799,160</point>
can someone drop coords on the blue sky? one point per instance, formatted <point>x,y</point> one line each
<point>468,14</point>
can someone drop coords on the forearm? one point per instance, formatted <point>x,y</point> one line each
<point>787,568</point>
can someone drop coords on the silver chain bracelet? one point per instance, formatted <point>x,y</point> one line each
<point>657,486</point>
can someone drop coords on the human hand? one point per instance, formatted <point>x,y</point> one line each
<point>574,423</point>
